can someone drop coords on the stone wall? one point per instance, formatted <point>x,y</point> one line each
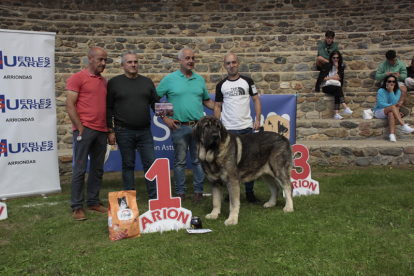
<point>352,154</point>
<point>198,5</point>
<point>276,41</point>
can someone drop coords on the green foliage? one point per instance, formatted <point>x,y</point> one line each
<point>360,224</point>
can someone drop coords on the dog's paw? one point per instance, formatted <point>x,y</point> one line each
<point>230,222</point>
<point>268,204</point>
<point>287,209</point>
<point>212,216</point>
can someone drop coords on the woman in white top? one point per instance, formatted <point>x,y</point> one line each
<point>331,79</point>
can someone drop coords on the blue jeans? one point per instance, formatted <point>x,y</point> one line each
<point>181,139</point>
<point>248,185</point>
<point>128,141</point>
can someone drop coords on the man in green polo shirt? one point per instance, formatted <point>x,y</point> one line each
<point>395,67</point>
<point>325,48</point>
<point>187,91</point>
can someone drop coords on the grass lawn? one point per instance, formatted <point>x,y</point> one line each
<point>360,224</point>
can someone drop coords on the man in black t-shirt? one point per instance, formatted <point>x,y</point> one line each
<point>128,101</point>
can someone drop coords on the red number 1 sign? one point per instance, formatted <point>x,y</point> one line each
<point>165,212</point>
<point>160,169</point>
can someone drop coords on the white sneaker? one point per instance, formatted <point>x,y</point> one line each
<point>348,111</point>
<point>339,117</point>
<point>392,138</point>
<point>407,129</point>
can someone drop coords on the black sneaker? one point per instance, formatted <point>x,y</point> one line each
<point>251,198</point>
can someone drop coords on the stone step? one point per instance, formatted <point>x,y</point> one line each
<point>255,43</point>
<point>213,28</point>
<point>348,129</point>
<point>327,153</point>
<point>270,75</point>
<point>320,105</point>
<point>99,16</point>
<point>250,62</point>
<point>359,153</point>
<point>314,118</point>
<point>205,5</point>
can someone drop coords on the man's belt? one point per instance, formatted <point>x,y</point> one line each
<point>190,123</point>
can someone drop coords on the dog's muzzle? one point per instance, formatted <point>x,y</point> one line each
<point>212,141</point>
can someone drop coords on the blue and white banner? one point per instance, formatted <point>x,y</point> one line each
<point>28,144</point>
<point>282,105</point>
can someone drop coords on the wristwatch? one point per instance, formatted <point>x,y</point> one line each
<point>79,138</point>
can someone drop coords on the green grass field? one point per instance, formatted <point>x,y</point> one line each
<point>360,224</point>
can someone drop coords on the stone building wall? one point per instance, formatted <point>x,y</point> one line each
<point>192,6</point>
<point>275,40</point>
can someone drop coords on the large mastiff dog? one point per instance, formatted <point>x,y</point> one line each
<point>230,159</point>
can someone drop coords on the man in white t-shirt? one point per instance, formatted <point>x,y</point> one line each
<point>233,105</point>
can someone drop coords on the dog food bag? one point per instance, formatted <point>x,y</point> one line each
<point>123,215</point>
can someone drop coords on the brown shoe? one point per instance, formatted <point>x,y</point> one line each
<point>198,197</point>
<point>78,214</point>
<point>98,208</point>
<point>182,196</point>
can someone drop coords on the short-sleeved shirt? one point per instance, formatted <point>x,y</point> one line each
<point>185,94</point>
<point>91,102</point>
<point>325,50</point>
<point>235,95</point>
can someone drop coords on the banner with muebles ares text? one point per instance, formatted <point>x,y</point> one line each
<point>28,145</point>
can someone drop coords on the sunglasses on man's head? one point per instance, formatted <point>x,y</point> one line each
<point>391,81</point>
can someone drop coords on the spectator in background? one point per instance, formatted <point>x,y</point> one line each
<point>331,79</point>
<point>409,81</point>
<point>325,49</point>
<point>387,106</point>
<point>393,67</point>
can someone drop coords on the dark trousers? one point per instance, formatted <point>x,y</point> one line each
<point>129,141</point>
<point>93,144</point>
<point>249,185</point>
<point>336,91</point>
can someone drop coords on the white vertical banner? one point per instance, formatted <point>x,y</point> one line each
<point>28,141</point>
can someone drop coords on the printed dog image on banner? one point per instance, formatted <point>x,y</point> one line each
<point>230,159</point>
<point>278,124</point>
